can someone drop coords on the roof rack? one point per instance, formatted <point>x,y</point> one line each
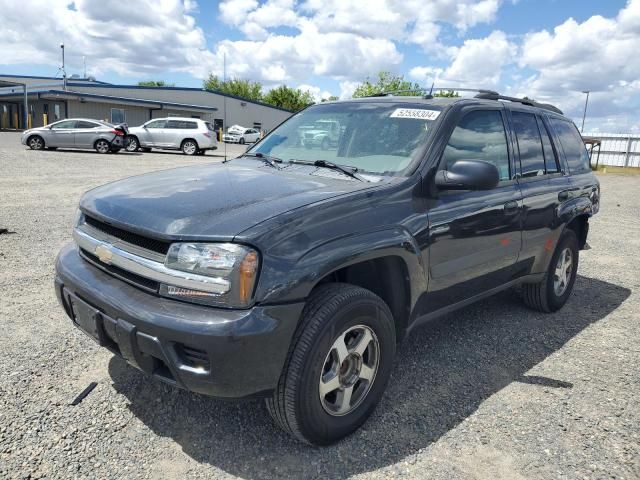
<point>483,94</point>
<point>524,101</point>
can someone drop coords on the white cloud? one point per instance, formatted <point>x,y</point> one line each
<point>478,63</point>
<point>151,38</point>
<point>317,92</point>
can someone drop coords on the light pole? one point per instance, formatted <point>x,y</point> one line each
<point>584,114</point>
<point>64,73</point>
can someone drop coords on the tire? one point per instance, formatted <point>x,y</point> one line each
<point>189,147</point>
<point>102,146</point>
<point>325,144</point>
<point>36,142</point>
<point>336,314</point>
<point>132,144</point>
<point>241,141</point>
<point>553,291</point>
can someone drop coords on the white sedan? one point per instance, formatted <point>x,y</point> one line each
<point>241,135</point>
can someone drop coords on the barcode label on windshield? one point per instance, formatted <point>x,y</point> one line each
<point>417,113</point>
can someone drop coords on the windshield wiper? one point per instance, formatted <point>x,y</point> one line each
<point>346,169</point>
<point>268,159</point>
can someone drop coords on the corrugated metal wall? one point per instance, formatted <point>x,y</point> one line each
<point>618,149</point>
<point>134,116</point>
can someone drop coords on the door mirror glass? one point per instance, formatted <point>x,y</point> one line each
<point>468,175</point>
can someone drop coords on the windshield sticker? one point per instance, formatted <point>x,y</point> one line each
<point>417,113</point>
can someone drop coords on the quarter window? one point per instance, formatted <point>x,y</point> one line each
<point>529,144</point>
<point>480,135</point>
<point>85,124</point>
<point>572,145</point>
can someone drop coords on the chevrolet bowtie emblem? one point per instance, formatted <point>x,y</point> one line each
<point>104,253</point>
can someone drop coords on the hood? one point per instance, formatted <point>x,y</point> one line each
<point>237,130</point>
<point>215,201</point>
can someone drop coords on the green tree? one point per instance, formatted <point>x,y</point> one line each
<point>448,93</point>
<point>155,83</point>
<point>331,98</point>
<point>386,82</point>
<point>290,98</point>
<point>235,86</point>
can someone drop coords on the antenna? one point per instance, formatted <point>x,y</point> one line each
<point>84,64</point>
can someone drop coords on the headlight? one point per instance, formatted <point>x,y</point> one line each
<point>235,266</point>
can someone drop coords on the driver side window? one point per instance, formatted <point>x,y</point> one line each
<point>157,124</point>
<point>480,135</point>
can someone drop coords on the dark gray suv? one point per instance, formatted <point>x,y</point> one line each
<point>293,274</point>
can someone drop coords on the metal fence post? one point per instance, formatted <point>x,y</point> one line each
<point>628,152</point>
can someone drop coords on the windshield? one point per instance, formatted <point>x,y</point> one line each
<point>377,138</point>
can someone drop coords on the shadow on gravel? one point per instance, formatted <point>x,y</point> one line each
<point>444,371</point>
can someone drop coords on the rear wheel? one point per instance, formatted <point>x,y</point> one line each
<point>102,146</point>
<point>131,144</point>
<point>36,142</point>
<point>189,147</point>
<point>554,290</point>
<point>241,141</point>
<point>338,365</point>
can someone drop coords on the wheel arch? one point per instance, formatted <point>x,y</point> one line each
<point>387,262</point>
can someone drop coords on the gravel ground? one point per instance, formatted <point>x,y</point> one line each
<point>494,391</point>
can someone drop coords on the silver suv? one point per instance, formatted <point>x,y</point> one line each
<point>191,135</point>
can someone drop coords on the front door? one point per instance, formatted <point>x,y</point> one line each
<point>61,134</point>
<point>152,133</point>
<point>475,236</point>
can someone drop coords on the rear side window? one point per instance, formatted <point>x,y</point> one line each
<point>182,125</point>
<point>480,135</point>
<point>85,124</point>
<point>572,145</point>
<point>209,126</point>
<point>529,144</point>
<point>550,157</point>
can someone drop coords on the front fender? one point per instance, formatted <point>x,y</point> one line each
<point>314,265</point>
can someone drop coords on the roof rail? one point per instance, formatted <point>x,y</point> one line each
<point>487,95</point>
<point>430,91</point>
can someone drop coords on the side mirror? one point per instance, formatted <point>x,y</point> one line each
<point>468,175</point>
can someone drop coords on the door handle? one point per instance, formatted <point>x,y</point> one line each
<point>511,206</point>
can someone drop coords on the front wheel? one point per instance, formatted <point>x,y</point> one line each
<point>131,144</point>
<point>553,291</point>
<point>189,147</point>
<point>338,365</point>
<point>36,143</point>
<point>102,146</point>
<point>241,141</point>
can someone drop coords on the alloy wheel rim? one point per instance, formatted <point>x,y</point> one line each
<point>349,370</point>
<point>36,143</point>
<point>102,147</point>
<point>132,145</point>
<point>563,271</point>
<point>189,148</point>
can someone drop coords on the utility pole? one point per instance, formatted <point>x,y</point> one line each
<point>224,100</point>
<point>584,114</point>
<point>64,72</point>
<point>84,64</point>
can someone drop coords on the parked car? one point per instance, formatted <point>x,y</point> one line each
<point>241,135</point>
<point>76,133</point>
<point>323,133</point>
<point>190,135</point>
<point>294,274</point>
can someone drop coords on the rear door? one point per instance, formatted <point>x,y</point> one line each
<point>86,133</point>
<point>174,133</point>
<point>62,134</point>
<point>541,179</point>
<point>475,236</point>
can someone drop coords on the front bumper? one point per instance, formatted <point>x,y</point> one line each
<point>213,351</point>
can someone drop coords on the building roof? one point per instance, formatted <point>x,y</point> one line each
<point>56,94</point>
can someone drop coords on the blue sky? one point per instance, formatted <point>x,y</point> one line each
<point>546,49</point>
